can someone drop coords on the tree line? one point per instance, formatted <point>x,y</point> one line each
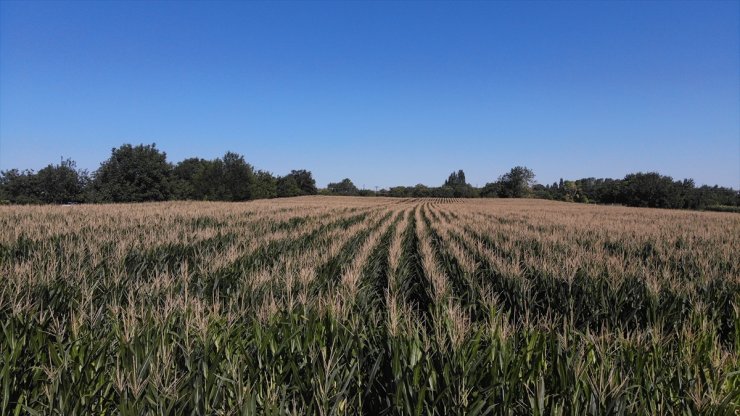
<point>142,173</point>
<point>640,189</point>
<point>649,189</point>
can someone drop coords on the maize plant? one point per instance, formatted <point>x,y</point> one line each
<point>378,306</point>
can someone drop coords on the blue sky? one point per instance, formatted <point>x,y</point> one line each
<point>384,93</point>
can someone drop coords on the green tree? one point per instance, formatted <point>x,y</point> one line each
<point>517,183</point>
<point>570,191</point>
<point>421,191</point>
<point>445,191</point>
<point>400,192</point>
<point>238,177</point>
<point>264,185</point>
<point>209,182</point>
<point>229,178</point>
<point>133,174</point>
<point>61,183</point>
<point>184,176</point>
<point>651,190</point>
<point>456,179</point>
<point>345,187</point>
<point>460,188</point>
<point>19,187</point>
<point>490,190</point>
<point>288,187</point>
<point>304,180</point>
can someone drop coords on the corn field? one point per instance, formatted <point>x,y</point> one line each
<point>331,305</point>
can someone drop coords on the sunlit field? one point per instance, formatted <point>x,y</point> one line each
<point>331,305</point>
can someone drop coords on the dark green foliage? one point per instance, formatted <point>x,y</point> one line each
<point>133,174</point>
<point>287,186</point>
<point>296,183</point>
<point>189,179</point>
<point>642,190</point>
<point>237,178</point>
<point>651,190</point>
<point>264,185</point>
<point>56,184</point>
<point>456,179</point>
<point>454,187</point>
<point>304,180</point>
<point>345,188</point>
<point>141,173</point>
<point>19,187</point>
<point>62,183</point>
<point>229,178</point>
<point>421,191</point>
<point>517,183</point>
<point>460,188</point>
<point>491,190</point>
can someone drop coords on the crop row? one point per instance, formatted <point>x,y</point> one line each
<point>376,306</point>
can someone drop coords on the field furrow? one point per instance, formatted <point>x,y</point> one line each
<point>334,305</point>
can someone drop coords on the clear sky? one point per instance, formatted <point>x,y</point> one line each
<point>385,93</point>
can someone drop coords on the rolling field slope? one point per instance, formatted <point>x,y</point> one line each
<point>331,305</point>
